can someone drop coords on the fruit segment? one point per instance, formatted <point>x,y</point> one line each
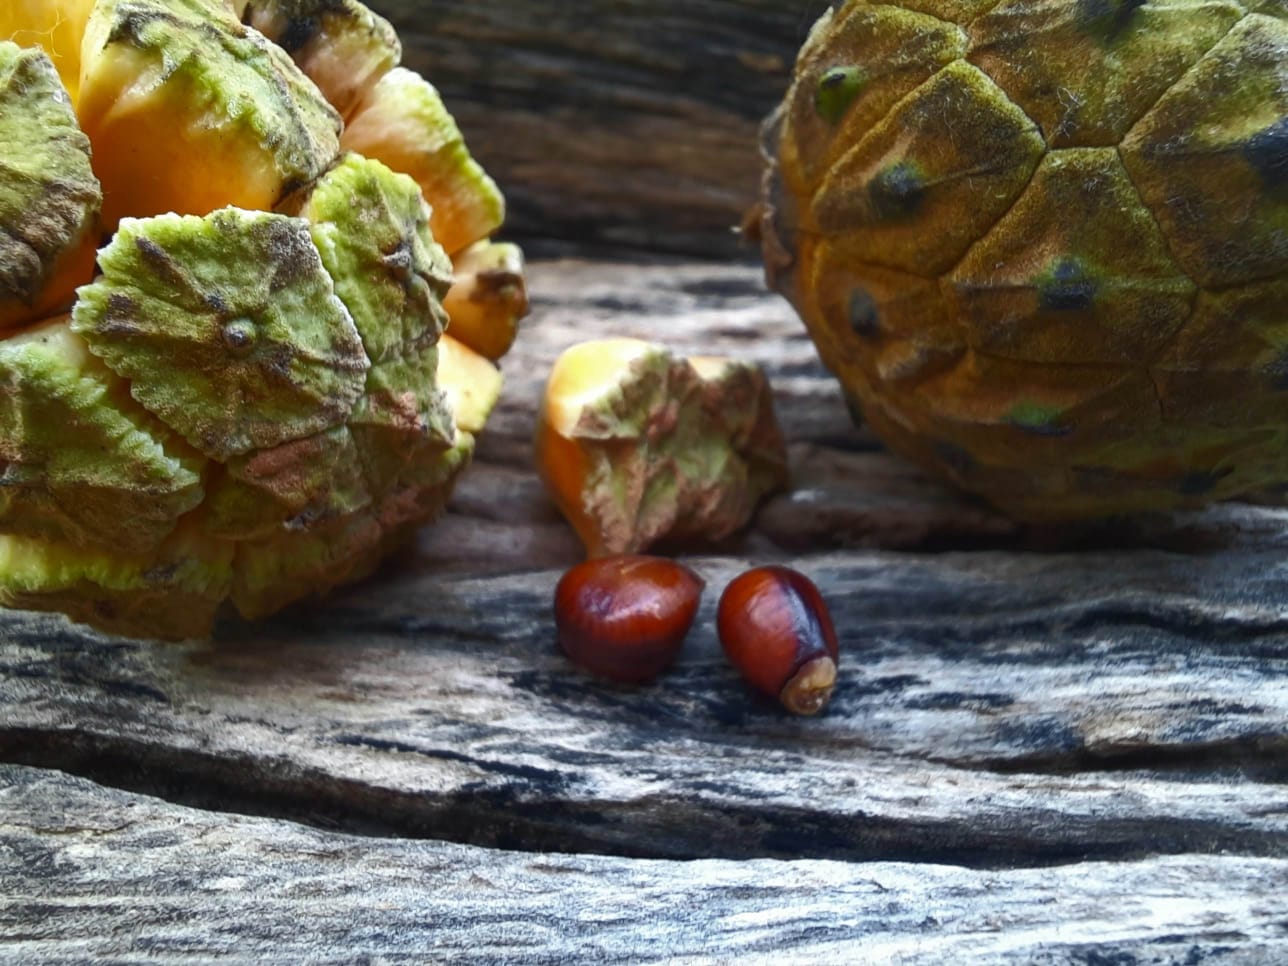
<point>488,297</point>
<point>49,197</point>
<point>403,123</point>
<point>371,227</point>
<point>341,45</point>
<point>189,111</point>
<point>637,446</point>
<point>470,381</point>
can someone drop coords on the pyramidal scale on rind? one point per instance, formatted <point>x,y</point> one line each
<point>1042,245</point>
<point>254,401</point>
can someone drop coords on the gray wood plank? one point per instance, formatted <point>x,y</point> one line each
<point>996,710</point>
<point>87,873</point>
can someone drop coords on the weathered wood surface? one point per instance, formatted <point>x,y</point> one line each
<point>1097,715</point>
<point>115,875</point>
<point>620,122</point>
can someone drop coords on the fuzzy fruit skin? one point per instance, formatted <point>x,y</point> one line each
<point>625,618</point>
<point>775,629</point>
<point>1041,244</point>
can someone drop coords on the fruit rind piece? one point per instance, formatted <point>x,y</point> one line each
<point>49,197</point>
<point>291,566</point>
<point>637,446</point>
<point>403,123</point>
<point>228,328</point>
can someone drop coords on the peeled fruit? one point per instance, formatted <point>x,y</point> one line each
<point>252,401</point>
<point>638,447</point>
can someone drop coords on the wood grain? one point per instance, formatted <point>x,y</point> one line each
<point>87,873</point>
<point>1099,715</point>
<point>627,123</point>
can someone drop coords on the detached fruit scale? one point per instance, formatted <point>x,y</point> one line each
<point>252,398</point>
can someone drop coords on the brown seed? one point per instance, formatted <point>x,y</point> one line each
<point>625,618</point>
<point>776,630</point>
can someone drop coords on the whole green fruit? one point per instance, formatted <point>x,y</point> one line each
<point>1044,243</point>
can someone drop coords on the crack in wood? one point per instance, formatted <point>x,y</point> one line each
<point>527,813</point>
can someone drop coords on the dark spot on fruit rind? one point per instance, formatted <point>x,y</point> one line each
<point>1267,152</point>
<point>897,191</point>
<point>239,337</point>
<point>119,317</point>
<point>1068,288</point>
<point>865,319</point>
<point>836,91</point>
<point>218,304</point>
<point>1107,19</point>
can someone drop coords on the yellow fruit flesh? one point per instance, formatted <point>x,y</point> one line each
<point>57,26</point>
<point>154,155</point>
<point>470,382</point>
<point>488,297</point>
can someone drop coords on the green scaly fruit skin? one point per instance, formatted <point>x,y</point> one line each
<point>1042,243</point>
<point>404,123</point>
<point>214,372</point>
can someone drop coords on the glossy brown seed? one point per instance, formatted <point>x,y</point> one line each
<point>776,630</point>
<point>625,617</point>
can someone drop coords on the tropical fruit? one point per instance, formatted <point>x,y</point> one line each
<point>1044,244</point>
<point>224,377</point>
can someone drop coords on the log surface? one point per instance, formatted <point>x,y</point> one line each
<point>630,123</point>
<point>1048,746</point>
